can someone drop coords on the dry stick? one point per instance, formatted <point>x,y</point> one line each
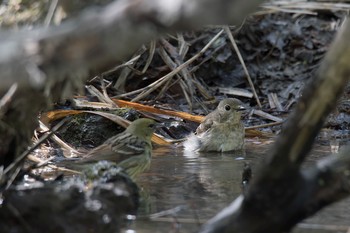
<point>272,10</point>
<point>307,5</point>
<point>183,45</point>
<point>202,90</point>
<point>162,53</point>
<point>103,98</point>
<point>50,13</point>
<point>266,115</point>
<point>229,34</point>
<point>6,99</point>
<point>236,91</point>
<point>264,125</point>
<point>187,77</point>
<point>207,58</point>
<point>128,63</point>
<point>184,76</point>
<point>160,81</point>
<point>166,86</point>
<point>103,88</point>
<point>84,104</point>
<point>323,227</point>
<point>152,49</point>
<point>277,102</point>
<point>301,7</point>
<point>59,141</point>
<point>125,73</point>
<point>38,143</point>
<point>42,163</point>
<point>184,87</point>
<point>20,158</point>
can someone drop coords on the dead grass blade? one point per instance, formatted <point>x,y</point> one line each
<point>267,115</point>
<point>41,163</point>
<point>303,7</point>
<point>233,42</point>
<point>152,49</point>
<point>6,99</point>
<point>68,151</point>
<point>153,86</point>
<point>20,158</point>
<point>104,98</point>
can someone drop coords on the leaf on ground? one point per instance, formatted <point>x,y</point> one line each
<point>146,108</point>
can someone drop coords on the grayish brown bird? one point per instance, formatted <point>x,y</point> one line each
<point>221,130</point>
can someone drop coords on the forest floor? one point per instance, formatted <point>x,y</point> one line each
<point>269,58</point>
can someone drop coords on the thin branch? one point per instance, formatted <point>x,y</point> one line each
<point>233,42</point>
<point>20,158</point>
<point>153,86</point>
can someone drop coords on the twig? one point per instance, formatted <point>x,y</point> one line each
<point>229,34</point>
<point>103,98</point>
<point>128,63</point>
<point>300,6</point>
<point>152,49</point>
<point>167,212</point>
<point>20,158</point>
<point>236,91</point>
<point>51,11</point>
<point>6,99</point>
<point>41,163</point>
<point>60,142</point>
<point>274,102</point>
<point>323,227</point>
<point>267,115</point>
<point>186,76</point>
<point>183,45</point>
<point>264,125</point>
<point>184,88</point>
<point>150,88</point>
<point>172,65</point>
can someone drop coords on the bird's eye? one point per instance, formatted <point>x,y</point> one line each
<point>227,107</point>
<point>151,126</point>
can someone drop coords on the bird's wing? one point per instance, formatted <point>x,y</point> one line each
<point>204,126</point>
<point>118,148</point>
<point>209,120</point>
<point>127,144</point>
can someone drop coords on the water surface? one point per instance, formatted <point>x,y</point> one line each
<point>180,192</point>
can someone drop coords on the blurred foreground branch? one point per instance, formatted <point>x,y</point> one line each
<point>48,64</point>
<point>282,193</point>
<point>101,37</point>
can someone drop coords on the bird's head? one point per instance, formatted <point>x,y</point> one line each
<point>229,105</point>
<point>142,127</point>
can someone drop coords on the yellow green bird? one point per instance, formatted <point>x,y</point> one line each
<point>131,149</point>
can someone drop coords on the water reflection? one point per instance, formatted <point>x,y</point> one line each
<point>202,184</point>
<point>181,192</point>
<point>191,188</point>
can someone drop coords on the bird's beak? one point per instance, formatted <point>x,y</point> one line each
<point>241,107</point>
